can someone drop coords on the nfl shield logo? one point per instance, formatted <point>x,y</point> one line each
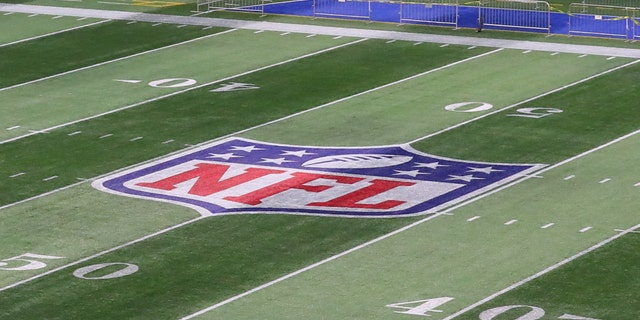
<point>237,175</point>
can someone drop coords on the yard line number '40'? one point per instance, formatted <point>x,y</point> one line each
<point>427,306</point>
<point>33,261</point>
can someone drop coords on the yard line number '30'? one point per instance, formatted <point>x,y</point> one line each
<point>33,261</point>
<point>427,306</point>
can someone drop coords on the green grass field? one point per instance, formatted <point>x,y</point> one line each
<point>112,97</point>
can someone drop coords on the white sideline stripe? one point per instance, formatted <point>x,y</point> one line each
<point>524,101</point>
<point>185,90</point>
<point>543,272</point>
<point>464,203</point>
<point>101,253</point>
<point>324,30</point>
<point>110,61</point>
<point>52,33</point>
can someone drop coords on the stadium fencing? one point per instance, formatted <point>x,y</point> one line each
<point>436,12</point>
<point>349,9</point>
<point>256,6</point>
<point>524,15</point>
<point>604,20</point>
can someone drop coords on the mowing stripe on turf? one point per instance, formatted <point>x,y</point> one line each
<point>170,94</point>
<point>101,253</point>
<point>526,101</point>
<point>53,33</point>
<point>112,61</point>
<point>444,212</point>
<point>543,272</point>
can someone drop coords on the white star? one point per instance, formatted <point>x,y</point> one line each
<point>466,178</point>
<point>245,148</point>
<point>278,161</point>
<point>300,153</point>
<point>486,170</point>
<point>431,165</point>
<point>225,156</point>
<point>413,173</point>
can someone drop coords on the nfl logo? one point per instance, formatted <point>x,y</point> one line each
<point>238,175</point>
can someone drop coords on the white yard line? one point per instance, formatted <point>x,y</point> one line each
<point>53,33</point>
<point>543,272</point>
<point>448,210</point>
<point>323,30</point>
<point>111,61</point>
<point>102,253</point>
<point>181,91</point>
<point>525,101</point>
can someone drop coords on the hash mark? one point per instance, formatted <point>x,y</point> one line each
<point>80,19</point>
<point>207,28</point>
<point>473,218</point>
<point>310,36</point>
<point>582,56</point>
<point>391,41</point>
<point>168,141</point>
<point>569,177</point>
<point>285,33</point>
<point>106,136</point>
<point>33,15</point>
<point>259,31</point>
<point>181,26</point>
<point>472,47</point>
<point>611,58</point>
<point>510,222</point>
<point>135,139</point>
<point>56,17</point>
<point>8,13</point>
<point>527,51</point>
<point>16,175</point>
<point>446,45</point>
<point>417,43</point>
<point>555,53</point>
<point>585,229</point>
<point>604,180</point>
<point>336,38</point>
<point>637,184</point>
<point>13,128</point>
<point>547,225</point>
<point>50,178</point>
<point>74,133</point>
<point>156,24</point>
<point>132,22</point>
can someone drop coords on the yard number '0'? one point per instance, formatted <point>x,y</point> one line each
<point>31,261</point>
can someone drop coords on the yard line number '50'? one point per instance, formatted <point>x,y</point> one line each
<point>424,307</point>
<point>532,113</point>
<point>33,261</point>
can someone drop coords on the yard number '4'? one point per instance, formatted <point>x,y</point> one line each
<point>424,307</point>
<point>27,260</point>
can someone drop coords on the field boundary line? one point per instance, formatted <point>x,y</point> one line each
<point>326,30</point>
<point>184,90</point>
<point>54,33</point>
<point>112,61</point>
<point>543,272</point>
<point>102,253</point>
<point>407,227</point>
<point>526,100</point>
